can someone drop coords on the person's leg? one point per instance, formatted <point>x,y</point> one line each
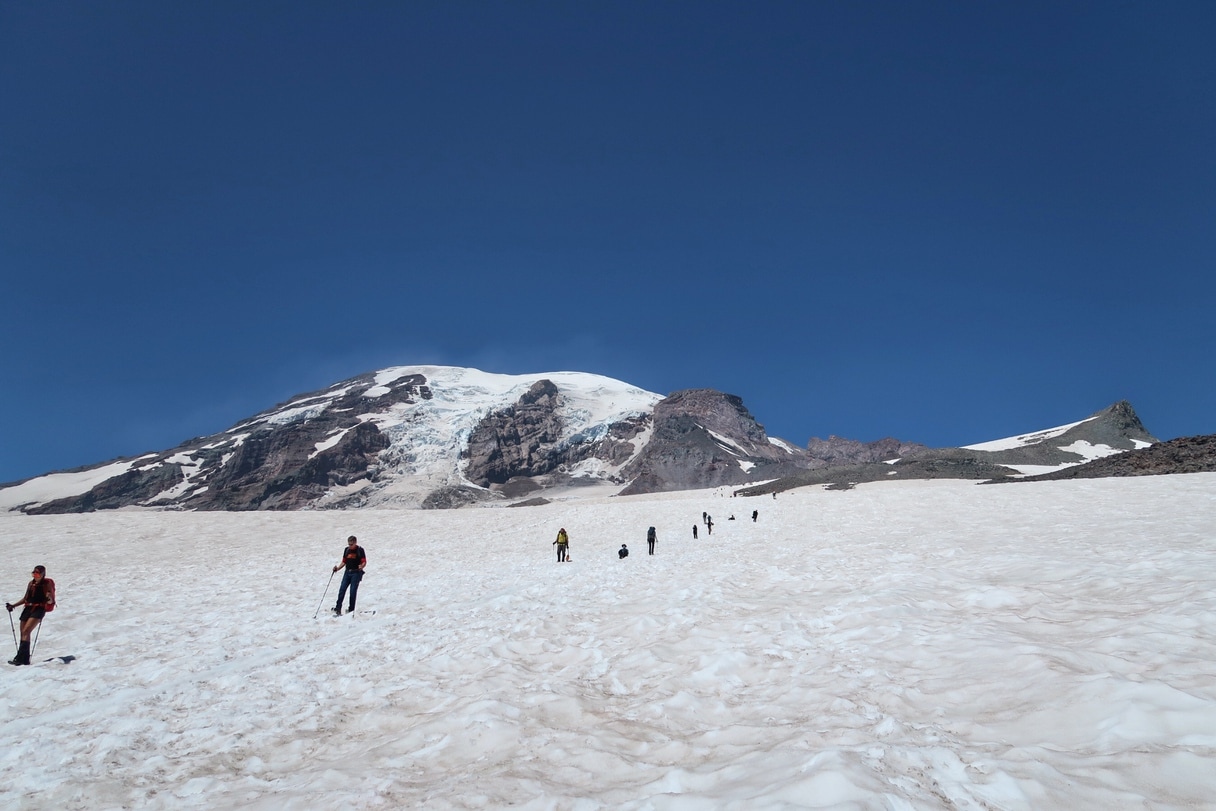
<point>342,592</point>
<point>355,577</point>
<point>23,651</point>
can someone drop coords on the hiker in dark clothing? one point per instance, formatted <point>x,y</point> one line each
<point>623,552</point>
<point>709,525</point>
<point>651,537</point>
<point>694,532</point>
<point>755,514</point>
<point>563,545</point>
<point>39,598</point>
<point>355,560</point>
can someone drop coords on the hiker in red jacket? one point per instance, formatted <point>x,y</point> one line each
<point>39,598</point>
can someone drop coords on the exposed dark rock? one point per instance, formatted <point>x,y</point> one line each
<point>277,470</point>
<point>705,438</point>
<point>451,498</point>
<point>1193,454</point>
<point>517,486</point>
<point>532,502</point>
<point>839,451</point>
<point>523,440</point>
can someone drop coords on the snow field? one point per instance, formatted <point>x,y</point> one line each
<point>904,645</point>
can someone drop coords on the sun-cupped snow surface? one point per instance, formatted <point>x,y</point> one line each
<point>902,645</point>
<point>1022,440</point>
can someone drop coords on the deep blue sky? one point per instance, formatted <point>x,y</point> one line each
<point>944,222</point>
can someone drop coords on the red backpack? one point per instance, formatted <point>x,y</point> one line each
<point>51,588</point>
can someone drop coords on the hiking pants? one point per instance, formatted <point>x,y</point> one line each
<point>561,552</point>
<point>350,579</point>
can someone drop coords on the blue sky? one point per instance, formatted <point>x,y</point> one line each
<point>944,222</point>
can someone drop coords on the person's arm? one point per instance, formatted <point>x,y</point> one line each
<point>362,559</point>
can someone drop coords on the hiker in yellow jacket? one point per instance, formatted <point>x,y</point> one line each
<point>563,545</point>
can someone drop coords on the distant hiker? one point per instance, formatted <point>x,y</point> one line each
<point>39,598</point>
<point>355,560</point>
<point>651,537</point>
<point>694,532</point>
<point>732,517</point>
<point>623,552</point>
<point>755,515</point>
<point>704,518</point>
<point>774,494</point>
<point>709,525</point>
<point>563,544</point>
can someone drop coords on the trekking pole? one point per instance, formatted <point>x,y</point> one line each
<point>37,630</point>
<point>14,627</point>
<point>314,616</point>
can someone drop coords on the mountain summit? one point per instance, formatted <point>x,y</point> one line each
<point>442,437</point>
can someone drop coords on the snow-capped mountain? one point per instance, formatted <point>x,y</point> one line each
<point>436,437</point>
<point>429,436</point>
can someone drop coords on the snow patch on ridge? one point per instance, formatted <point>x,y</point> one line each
<point>60,485</point>
<point>1022,440</point>
<point>782,444</point>
<point>727,442</point>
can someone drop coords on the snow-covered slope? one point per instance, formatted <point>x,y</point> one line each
<point>906,646</point>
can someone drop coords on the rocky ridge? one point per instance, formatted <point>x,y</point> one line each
<point>1192,454</point>
<point>1107,434</point>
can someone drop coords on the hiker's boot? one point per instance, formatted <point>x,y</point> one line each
<point>23,654</point>
<point>337,610</point>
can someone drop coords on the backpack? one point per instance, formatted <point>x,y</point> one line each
<point>650,534</point>
<point>50,587</point>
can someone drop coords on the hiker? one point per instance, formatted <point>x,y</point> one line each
<point>651,537</point>
<point>354,559</point>
<point>755,515</point>
<point>709,525</point>
<point>694,532</point>
<point>705,518</point>
<point>563,545</point>
<point>39,598</point>
<point>623,552</point>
